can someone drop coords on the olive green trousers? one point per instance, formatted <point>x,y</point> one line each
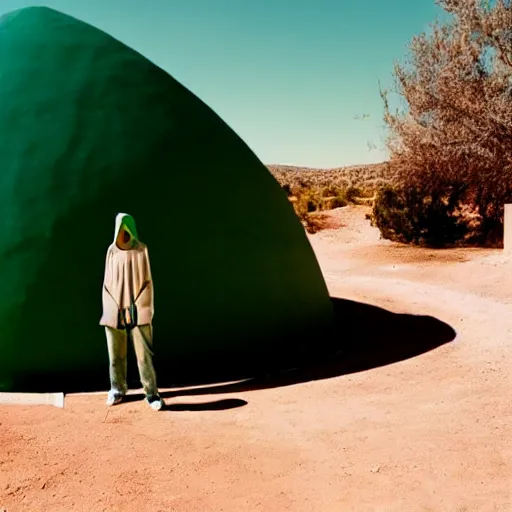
<point>117,342</point>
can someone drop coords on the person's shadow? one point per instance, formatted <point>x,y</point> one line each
<point>367,337</point>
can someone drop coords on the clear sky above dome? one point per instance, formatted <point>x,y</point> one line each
<point>289,76</point>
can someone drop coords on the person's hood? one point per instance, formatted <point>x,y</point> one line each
<point>123,220</point>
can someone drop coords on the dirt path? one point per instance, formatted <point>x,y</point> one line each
<point>430,433</point>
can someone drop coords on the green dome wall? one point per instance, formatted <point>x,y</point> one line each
<point>91,128</point>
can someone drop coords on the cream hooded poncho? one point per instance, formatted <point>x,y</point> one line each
<point>127,277</point>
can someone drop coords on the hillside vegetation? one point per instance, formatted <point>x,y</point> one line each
<point>312,191</point>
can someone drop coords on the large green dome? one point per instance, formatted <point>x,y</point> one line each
<point>90,128</point>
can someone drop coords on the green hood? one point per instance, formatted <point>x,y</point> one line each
<point>123,220</point>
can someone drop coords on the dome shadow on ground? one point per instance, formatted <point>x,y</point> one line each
<point>367,337</point>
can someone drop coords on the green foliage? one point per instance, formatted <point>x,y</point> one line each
<point>412,216</point>
<point>352,193</point>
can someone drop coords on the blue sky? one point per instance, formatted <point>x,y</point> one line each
<point>288,76</point>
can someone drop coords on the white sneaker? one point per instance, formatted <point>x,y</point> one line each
<point>155,402</point>
<point>114,398</point>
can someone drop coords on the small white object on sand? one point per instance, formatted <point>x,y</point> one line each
<point>55,399</point>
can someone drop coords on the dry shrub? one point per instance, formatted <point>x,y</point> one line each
<point>317,222</point>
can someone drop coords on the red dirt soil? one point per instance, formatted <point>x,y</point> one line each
<point>429,433</point>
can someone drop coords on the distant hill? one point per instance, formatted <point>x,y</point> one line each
<point>284,167</point>
<point>367,176</point>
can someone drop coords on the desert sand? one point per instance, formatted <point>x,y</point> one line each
<point>388,432</point>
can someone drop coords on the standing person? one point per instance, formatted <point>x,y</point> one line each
<point>128,310</point>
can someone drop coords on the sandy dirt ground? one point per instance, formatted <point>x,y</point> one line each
<point>428,433</point>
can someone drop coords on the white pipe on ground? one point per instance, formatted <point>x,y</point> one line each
<point>55,399</point>
<point>507,229</point>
